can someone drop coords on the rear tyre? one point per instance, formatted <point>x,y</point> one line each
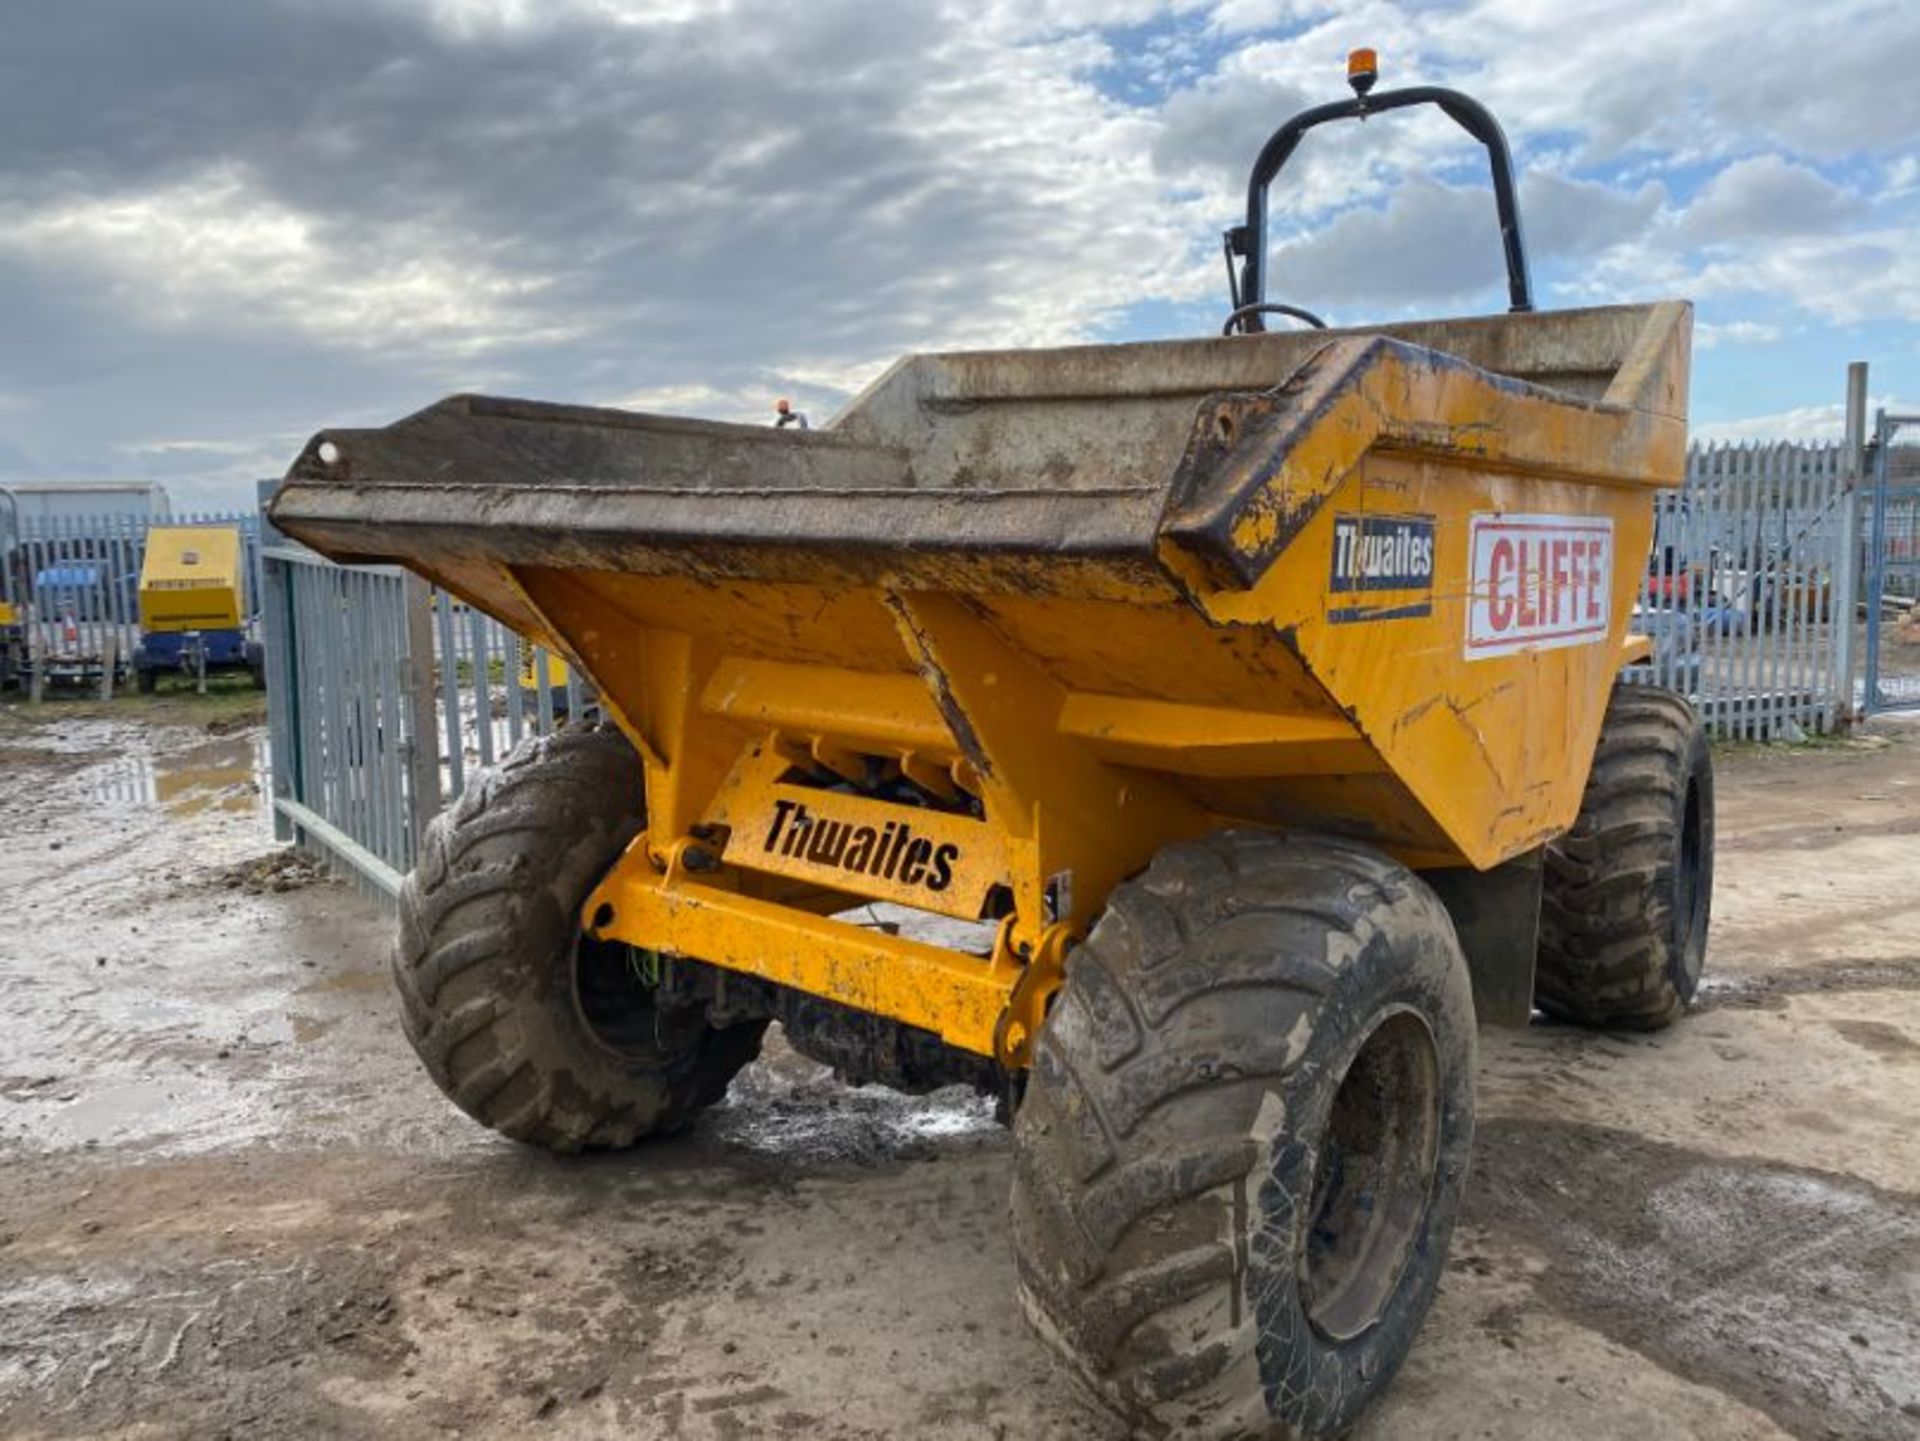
<point>1629,890</point>
<point>1245,1137</point>
<point>527,1025</point>
<point>147,679</point>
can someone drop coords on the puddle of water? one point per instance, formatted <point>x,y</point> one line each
<point>346,982</point>
<point>183,1107</point>
<point>963,1114</point>
<point>226,773</point>
<point>795,1109</point>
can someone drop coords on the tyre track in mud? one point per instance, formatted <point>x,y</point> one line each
<point>1750,989</point>
<point>1789,1288</point>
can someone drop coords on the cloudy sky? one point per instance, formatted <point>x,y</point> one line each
<point>224,223</point>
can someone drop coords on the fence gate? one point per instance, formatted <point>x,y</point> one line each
<point>350,712</point>
<point>384,698</point>
<point>1893,568</point>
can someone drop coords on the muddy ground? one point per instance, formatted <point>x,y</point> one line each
<point>232,1205</point>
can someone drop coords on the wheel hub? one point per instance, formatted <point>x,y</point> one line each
<point>1373,1178</point>
<point>615,989</point>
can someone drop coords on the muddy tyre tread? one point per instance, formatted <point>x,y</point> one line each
<point>1129,1133</point>
<point>1607,953</point>
<point>495,890</point>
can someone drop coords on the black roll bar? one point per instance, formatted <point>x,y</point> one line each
<point>1249,241</point>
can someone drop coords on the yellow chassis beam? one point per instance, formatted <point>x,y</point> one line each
<point>1062,827</point>
<point>977,1004</point>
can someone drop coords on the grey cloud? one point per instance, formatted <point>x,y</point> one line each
<point>372,105</point>
<point>1215,129</point>
<point>1431,242</point>
<point>667,174</point>
<point>1833,80</point>
<point>716,202</point>
<point>1824,79</point>
<point>1569,218</point>
<point>1210,134</point>
<point>94,385</point>
<point>1762,197</point>
<point>1439,244</point>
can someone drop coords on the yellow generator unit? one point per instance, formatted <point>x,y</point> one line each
<point>1253,702</point>
<point>191,579</point>
<point>192,607</point>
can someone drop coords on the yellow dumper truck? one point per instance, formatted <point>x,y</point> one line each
<point>1257,696</point>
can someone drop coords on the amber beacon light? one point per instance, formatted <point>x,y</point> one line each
<point>1363,69</point>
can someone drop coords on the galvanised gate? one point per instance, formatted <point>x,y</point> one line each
<point>1892,568</point>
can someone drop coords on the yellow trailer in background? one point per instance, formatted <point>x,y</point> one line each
<point>1251,702</point>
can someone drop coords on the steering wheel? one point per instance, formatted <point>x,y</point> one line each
<point>1240,318</point>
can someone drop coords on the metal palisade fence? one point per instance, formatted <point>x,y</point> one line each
<point>1748,598</point>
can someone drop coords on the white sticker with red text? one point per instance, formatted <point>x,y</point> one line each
<point>1539,582</point>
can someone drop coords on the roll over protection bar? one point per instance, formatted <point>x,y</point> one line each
<point>1249,241</point>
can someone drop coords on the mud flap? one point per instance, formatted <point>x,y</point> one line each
<point>1496,914</point>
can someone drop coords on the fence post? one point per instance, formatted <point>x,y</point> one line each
<point>281,645</point>
<point>1846,579</point>
<point>36,648</point>
<point>273,601</point>
<point>423,734</point>
<point>1876,560</point>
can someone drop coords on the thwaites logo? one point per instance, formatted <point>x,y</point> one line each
<point>1539,582</point>
<point>1382,553</point>
<point>891,852</point>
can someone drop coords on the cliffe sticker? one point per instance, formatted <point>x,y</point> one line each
<point>1538,582</point>
<point>1382,553</point>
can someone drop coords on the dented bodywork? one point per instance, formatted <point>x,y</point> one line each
<point>1015,620</point>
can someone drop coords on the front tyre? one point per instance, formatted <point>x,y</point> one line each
<point>1245,1137</point>
<point>527,1025</point>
